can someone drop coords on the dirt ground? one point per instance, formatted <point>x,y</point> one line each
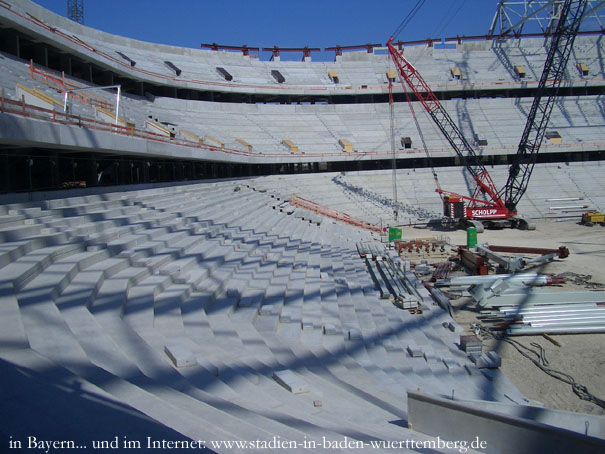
<point>580,355</point>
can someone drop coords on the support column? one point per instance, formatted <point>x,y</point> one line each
<point>5,183</point>
<point>92,173</point>
<point>108,78</point>
<point>17,47</point>
<point>65,62</point>
<point>41,55</point>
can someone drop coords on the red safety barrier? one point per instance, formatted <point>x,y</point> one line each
<point>331,213</point>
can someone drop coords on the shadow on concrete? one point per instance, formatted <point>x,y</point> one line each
<point>53,405</point>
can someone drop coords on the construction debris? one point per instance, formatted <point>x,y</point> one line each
<point>580,279</point>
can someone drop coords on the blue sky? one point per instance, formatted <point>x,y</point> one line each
<point>265,23</point>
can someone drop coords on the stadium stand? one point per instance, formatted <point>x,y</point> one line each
<point>101,286</point>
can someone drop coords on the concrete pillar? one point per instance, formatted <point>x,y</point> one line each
<point>65,62</point>
<point>54,170</point>
<point>5,183</point>
<point>92,172</point>
<point>108,78</point>
<point>116,172</point>
<point>41,55</point>
<point>16,46</point>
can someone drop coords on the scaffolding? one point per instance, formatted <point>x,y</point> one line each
<point>75,10</point>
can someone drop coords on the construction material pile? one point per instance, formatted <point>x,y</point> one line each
<point>522,309</point>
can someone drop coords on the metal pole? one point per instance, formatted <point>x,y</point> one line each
<point>392,114</point>
<point>596,328</point>
<point>118,104</point>
<point>563,319</point>
<point>553,308</point>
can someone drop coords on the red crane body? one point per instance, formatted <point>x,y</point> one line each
<point>486,203</point>
<point>475,208</point>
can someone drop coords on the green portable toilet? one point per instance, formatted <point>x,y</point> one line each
<point>394,234</point>
<point>471,237</point>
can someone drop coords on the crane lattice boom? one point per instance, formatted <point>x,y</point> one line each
<point>491,205</point>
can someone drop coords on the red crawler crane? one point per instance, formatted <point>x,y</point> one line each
<point>487,204</point>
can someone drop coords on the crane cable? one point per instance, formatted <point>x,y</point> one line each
<point>397,31</point>
<point>426,150</point>
<point>408,18</point>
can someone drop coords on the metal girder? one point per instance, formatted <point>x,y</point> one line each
<point>473,262</point>
<point>510,265</point>
<point>562,252</point>
<point>512,16</point>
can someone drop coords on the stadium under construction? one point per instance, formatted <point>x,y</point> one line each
<point>204,249</point>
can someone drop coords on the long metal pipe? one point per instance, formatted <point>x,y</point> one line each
<point>556,316</point>
<point>546,308</point>
<point>545,311</point>
<point>521,331</point>
<point>537,298</point>
<point>563,315</point>
<point>570,323</point>
<point>521,278</point>
<point>561,310</point>
<point>571,318</point>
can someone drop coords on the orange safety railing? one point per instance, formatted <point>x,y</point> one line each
<point>331,213</point>
<point>29,111</point>
<point>63,85</point>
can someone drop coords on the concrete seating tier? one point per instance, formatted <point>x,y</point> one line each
<point>318,129</point>
<point>482,64</point>
<point>182,303</point>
